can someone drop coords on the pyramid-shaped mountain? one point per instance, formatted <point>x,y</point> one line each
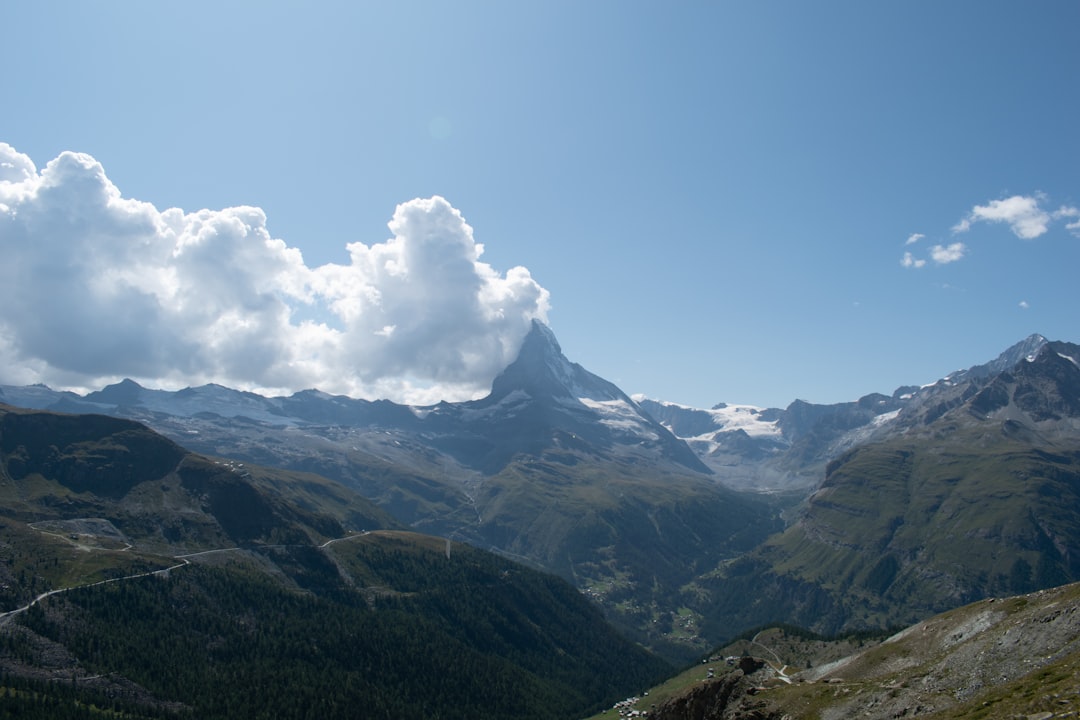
<point>543,403</point>
<point>542,371</point>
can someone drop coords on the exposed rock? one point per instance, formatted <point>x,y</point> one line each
<point>729,697</point>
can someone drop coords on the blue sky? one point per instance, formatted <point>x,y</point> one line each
<point>743,202</point>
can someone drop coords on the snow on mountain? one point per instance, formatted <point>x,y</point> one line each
<point>35,397</point>
<point>620,415</point>
<point>212,398</point>
<point>757,422</point>
<point>1027,349</point>
<point>542,398</point>
<point>1070,358</point>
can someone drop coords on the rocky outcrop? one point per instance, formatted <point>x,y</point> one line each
<point>733,696</point>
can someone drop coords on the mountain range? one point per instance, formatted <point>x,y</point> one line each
<point>971,490</point>
<point>556,467</point>
<point>688,525</point>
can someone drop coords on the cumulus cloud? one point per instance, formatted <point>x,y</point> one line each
<point>914,238</point>
<point>1021,213</point>
<point>95,286</point>
<point>1024,305</point>
<point>942,254</point>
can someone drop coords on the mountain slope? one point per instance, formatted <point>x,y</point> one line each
<point>191,587</point>
<point>1017,657</point>
<point>974,491</point>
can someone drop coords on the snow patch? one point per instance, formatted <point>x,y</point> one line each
<point>619,415</point>
<point>727,418</point>
<point>884,418</point>
<point>506,406</point>
<point>746,418</point>
<point>1070,359</point>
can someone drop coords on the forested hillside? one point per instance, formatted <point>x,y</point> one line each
<point>419,635</point>
<point>140,579</point>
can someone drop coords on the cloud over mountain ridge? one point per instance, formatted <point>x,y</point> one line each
<point>96,286</point>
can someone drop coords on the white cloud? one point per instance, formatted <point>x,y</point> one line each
<point>910,261</point>
<point>1022,214</point>
<point>14,166</point>
<point>1066,211</point>
<point>914,238</point>
<point>943,255</point>
<point>95,286</point>
<point>1024,305</point>
<point>1069,212</point>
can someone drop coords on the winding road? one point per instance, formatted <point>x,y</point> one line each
<point>6,616</point>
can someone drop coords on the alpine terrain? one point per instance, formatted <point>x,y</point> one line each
<point>689,526</point>
<point>138,579</point>
<point>556,467</point>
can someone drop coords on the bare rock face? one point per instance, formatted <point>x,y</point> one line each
<point>733,696</point>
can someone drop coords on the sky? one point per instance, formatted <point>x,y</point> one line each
<point>740,202</point>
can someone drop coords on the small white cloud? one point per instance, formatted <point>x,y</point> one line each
<point>1069,212</point>
<point>1066,211</point>
<point>943,255</point>
<point>1024,305</point>
<point>962,226</point>
<point>95,286</point>
<point>1022,214</point>
<point>910,261</point>
<point>914,238</point>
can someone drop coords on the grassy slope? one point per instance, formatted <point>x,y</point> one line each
<point>999,658</point>
<point>903,529</point>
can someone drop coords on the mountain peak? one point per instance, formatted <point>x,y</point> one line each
<point>125,392</point>
<point>1026,349</point>
<point>553,398</point>
<point>541,370</point>
<point>542,335</point>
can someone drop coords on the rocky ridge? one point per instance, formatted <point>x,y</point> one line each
<point>1015,658</point>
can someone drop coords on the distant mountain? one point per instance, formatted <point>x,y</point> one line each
<point>542,403</point>
<point>772,449</point>
<point>139,577</point>
<point>540,398</point>
<point>556,467</point>
<point>769,449</point>
<point>971,490</point>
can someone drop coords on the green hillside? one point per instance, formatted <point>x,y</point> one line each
<point>413,634</point>
<point>902,529</point>
<point>138,580</point>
